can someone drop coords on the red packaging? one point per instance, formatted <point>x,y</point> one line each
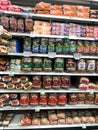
<point>47,82</point>
<point>26,120</point>
<point>10,8</point>
<point>17,9</point>
<point>36,81</point>
<point>4,7</point>
<point>52,99</point>
<point>62,99</point>
<point>43,100</point>
<point>24,99</point>
<point>65,82</point>
<point>56,82</point>
<point>34,100</point>
<point>6,3</point>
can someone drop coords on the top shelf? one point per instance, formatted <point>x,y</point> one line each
<point>51,17</point>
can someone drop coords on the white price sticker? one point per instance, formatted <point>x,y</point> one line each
<point>27,54</point>
<point>77,56</point>
<point>91,92</point>
<point>42,93</point>
<point>51,54</point>
<point>84,126</point>
<point>37,110</point>
<point>32,34</point>
<point>11,74</point>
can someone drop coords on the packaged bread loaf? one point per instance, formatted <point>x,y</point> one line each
<point>47,65</point>
<point>65,82</point>
<point>13,24</point>
<point>59,65</point>
<point>81,66</point>
<point>73,99</point>
<point>83,86</point>
<point>47,82</point>
<point>37,64</point>
<point>52,99</point>
<point>84,80</point>
<point>26,64</point>
<point>43,100</point>
<point>36,82</point>
<point>56,83</point>
<point>70,65</point>
<point>44,118</point>
<point>24,99</point>
<point>96,98</point>
<point>91,66</point>
<point>36,118</point>
<point>34,99</point>
<point>89,98</point>
<point>62,99</point>
<point>81,98</point>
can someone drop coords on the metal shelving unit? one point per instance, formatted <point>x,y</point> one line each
<point>15,122</point>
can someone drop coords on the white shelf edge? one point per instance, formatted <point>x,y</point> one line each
<point>50,36</point>
<point>16,126</point>
<point>51,16</point>
<point>46,55</point>
<point>48,73</point>
<point>74,90</point>
<point>78,106</point>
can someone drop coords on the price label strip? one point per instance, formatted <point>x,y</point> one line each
<point>77,56</point>
<point>51,54</point>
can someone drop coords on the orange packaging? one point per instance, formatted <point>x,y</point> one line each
<point>70,13</point>
<point>56,7</point>
<point>83,8</point>
<point>82,15</point>
<point>43,12</point>
<point>69,8</point>
<point>42,6</point>
<point>56,12</point>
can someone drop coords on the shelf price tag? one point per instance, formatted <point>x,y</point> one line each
<point>77,56</point>
<point>91,92</point>
<point>51,54</point>
<point>37,110</point>
<point>27,54</point>
<point>42,92</point>
<point>32,34</point>
<point>84,126</point>
<point>11,74</point>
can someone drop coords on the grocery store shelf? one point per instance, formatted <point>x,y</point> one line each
<point>15,125</point>
<point>47,73</point>
<point>43,91</point>
<point>50,17</point>
<point>38,108</point>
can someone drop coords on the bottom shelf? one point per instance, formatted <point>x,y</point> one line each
<point>15,125</point>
